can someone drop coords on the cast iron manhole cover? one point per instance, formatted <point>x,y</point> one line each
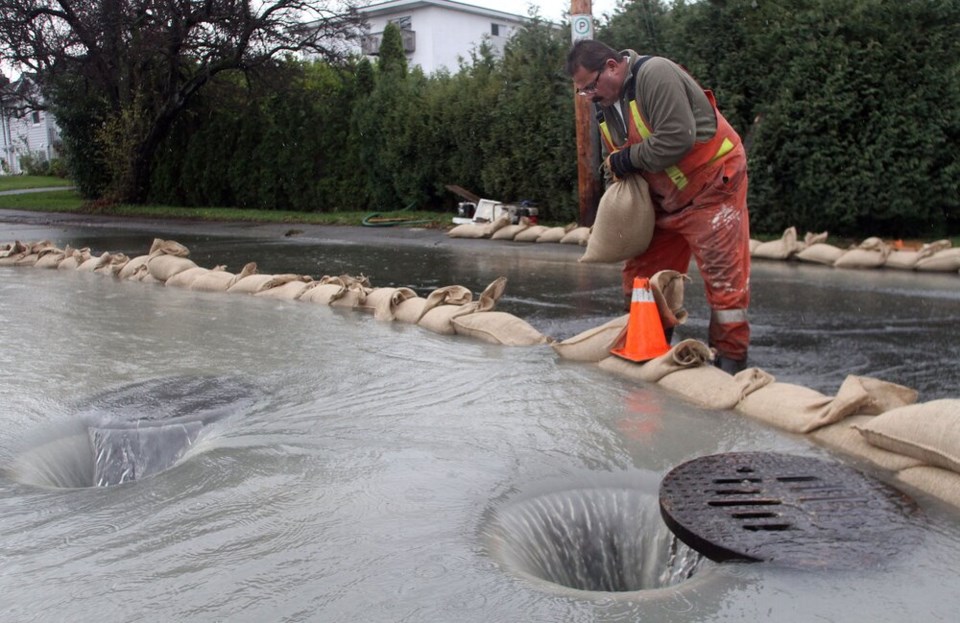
<point>793,510</point>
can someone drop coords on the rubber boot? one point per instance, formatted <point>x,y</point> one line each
<point>730,366</point>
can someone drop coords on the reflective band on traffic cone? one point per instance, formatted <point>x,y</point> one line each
<point>645,339</point>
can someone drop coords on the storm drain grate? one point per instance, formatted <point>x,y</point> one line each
<point>793,510</point>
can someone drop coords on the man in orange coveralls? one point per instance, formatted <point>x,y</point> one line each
<point>656,121</point>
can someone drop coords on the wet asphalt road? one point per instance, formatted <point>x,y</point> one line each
<point>811,324</point>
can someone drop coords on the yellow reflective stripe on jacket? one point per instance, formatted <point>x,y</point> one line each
<point>725,149</point>
<point>606,135</point>
<point>675,174</point>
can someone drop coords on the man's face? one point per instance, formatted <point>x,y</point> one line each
<point>599,86</point>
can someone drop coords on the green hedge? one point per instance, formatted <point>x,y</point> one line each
<point>850,109</point>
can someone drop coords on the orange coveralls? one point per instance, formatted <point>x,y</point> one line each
<point>701,211</point>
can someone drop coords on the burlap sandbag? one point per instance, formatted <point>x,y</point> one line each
<point>168,247</point>
<point>844,437</point>
<point>902,260</point>
<point>187,277</point>
<point>12,248</point>
<point>164,266</point>
<point>27,259</point>
<point>439,319</point>
<point>290,290</point>
<point>324,292</point>
<point>354,295</point>
<point>467,230</point>
<point>752,379</point>
<point>929,432</point>
<point>410,310</point>
<point>133,266</point>
<point>114,264</point>
<point>530,234</point>
<point>251,284</point>
<point>496,225</point>
<point>384,301</point>
<point>509,231</point>
<point>577,235</point>
<point>12,253</point>
<point>11,260</point>
<point>799,409</point>
<point>40,245</point>
<point>667,287</point>
<point>820,253</point>
<point>624,224</point>
<point>871,253</point>
<point>947,260</point>
<point>908,260</point>
<point>448,295</point>
<point>76,259</point>
<point>50,260</point>
<point>686,354</point>
<point>556,234</point>
<point>594,344</point>
<point>158,248</point>
<point>811,238</point>
<point>882,396</point>
<point>780,249</point>
<point>480,230</point>
<point>216,280</point>
<point>706,386</point>
<point>93,263</point>
<point>496,327</point>
<point>70,263</point>
<point>940,483</point>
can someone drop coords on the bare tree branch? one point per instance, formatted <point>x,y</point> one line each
<point>157,54</point>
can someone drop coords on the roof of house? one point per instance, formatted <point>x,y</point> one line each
<point>394,6</point>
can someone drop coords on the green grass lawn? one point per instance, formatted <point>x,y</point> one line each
<point>21,182</point>
<point>70,201</point>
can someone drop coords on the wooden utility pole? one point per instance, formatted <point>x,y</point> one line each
<point>588,155</point>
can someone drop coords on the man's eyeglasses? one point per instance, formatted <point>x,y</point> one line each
<point>592,87</point>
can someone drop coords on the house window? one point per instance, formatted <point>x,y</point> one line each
<point>35,117</point>
<point>499,30</point>
<point>405,22</point>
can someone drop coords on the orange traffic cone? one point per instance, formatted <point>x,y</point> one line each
<point>645,339</point>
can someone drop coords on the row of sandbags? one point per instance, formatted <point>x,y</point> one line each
<point>524,230</point>
<point>874,421</point>
<point>938,256</point>
<point>447,310</point>
<point>622,229</point>
<point>869,419</point>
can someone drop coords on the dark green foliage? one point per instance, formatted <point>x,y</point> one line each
<point>530,149</point>
<point>392,59</point>
<point>280,146</point>
<point>80,111</point>
<point>849,109</point>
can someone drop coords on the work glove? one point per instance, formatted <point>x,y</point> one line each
<point>619,163</point>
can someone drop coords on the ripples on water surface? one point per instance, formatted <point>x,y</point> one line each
<point>356,488</point>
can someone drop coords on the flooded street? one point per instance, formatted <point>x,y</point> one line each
<point>368,468</point>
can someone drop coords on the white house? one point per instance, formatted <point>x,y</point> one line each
<point>24,131</point>
<point>438,33</point>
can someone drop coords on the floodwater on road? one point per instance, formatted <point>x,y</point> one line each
<point>363,470</point>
